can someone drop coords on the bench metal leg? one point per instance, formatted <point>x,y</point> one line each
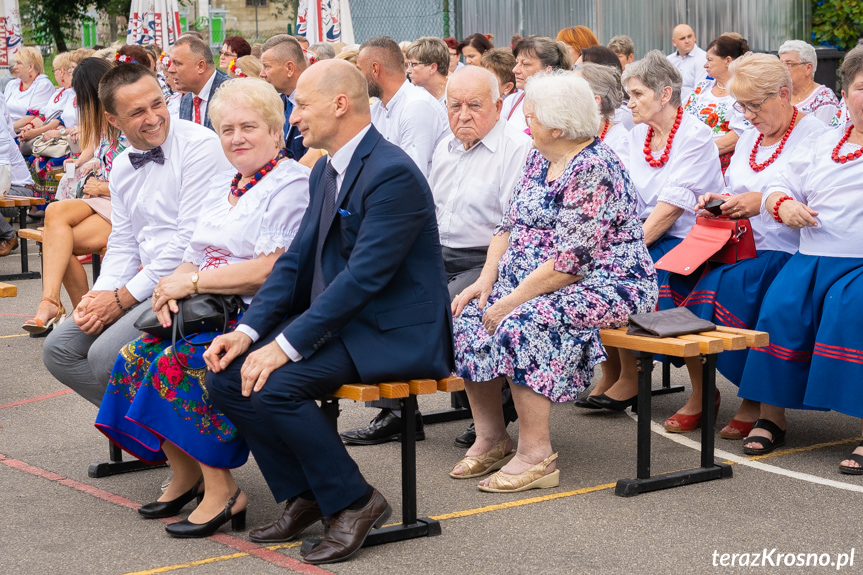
<point>411,526</point>
<point>709,469</point>
<point>25,274</point>
<point>115,464</point>
<point>666,380</point>
<point>455,413</point>
<point>97,266</point>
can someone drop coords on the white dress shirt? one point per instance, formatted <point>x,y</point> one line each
<point>617,138</point>
<point>691,68</point>
<point>691,171</point>
<point>741,178</point>
<point>472,188</point>
<point>9,153</point>
<point>623,116</point>
<point>154,209</point>
<point>340,162</point>
<point>513,110</point>
<point>830,188</point>
<point>33,98</point>
<point>264,219</point>
<point>204,95</point>
<point>414,121</point>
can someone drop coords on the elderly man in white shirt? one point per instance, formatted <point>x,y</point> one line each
<point>688,58</point>
<point>475,169</point>
<point>157,187</point>
<point>404,114</point>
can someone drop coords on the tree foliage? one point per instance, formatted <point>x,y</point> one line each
<point>59,19</point>
<point>837,23</point>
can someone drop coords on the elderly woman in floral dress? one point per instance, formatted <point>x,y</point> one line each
<point>568,259</point>
<point>156,406</point>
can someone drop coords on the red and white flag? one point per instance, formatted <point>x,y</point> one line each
<point>10,24</point>
<point>153,22</point>
<point>325,21</point>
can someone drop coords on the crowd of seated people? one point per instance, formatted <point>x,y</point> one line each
<point>383,210</point>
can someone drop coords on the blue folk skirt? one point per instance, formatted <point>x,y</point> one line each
<point>729,295</point>
<point>815,357</point>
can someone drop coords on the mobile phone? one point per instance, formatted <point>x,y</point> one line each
<point>714,207</point>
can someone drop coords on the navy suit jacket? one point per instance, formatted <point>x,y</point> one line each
<point>386,294</point>
<point>293,139</point>
<point>186,102</point>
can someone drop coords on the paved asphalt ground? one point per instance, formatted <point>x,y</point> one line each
<point>58,520</point>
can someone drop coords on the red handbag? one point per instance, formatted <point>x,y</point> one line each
<point>717,239</point>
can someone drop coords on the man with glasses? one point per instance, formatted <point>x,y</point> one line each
<point>428,66</point>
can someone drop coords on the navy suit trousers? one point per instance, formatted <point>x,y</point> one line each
<point>294,444</point>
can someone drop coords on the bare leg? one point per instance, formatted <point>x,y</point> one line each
<point>626,385</point>
<point>610,371</point>
<point>57,246</point>
<point>220,487</point>
<point>534,439</point>
<point>484,397</point>
<point>772,413</point>
<point>186,471</point>
<point>851,462</point>
<point>75,281</point>
<point>693,404</point>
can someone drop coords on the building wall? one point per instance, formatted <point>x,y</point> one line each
<point>269,23</point>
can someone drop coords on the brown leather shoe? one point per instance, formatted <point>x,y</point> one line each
<point>299,513</point>
<point>7,246</point>
<point>348,531</point>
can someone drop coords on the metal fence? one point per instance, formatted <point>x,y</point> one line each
<point>401,19</point>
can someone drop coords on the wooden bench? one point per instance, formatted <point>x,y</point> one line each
<point>23,204</point>
<point>406,392</point>
<point>706,345</point>
<point>8,290</point>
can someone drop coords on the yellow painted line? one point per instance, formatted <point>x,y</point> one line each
<point>16,335</point>
<point>200,562</point>
<point>781,452</point>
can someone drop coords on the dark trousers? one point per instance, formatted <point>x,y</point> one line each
<point>294,444</point>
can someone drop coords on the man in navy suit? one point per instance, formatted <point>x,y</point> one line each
<point>282,63</point>
<point>361,295</point>
<point>194,72</point>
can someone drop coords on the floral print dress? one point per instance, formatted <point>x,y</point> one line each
<point>717,113</point>
<point>586,222</point>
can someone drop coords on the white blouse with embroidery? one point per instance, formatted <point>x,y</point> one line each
<point>265,219</point>
<point>33,98</point>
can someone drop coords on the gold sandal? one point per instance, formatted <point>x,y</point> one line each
<point>533,478</point>
<point>37,327</point>
<point>489,461</point>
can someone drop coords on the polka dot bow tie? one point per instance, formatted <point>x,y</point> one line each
<point>154,155</point>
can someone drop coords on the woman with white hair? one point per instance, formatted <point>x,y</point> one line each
<point>156,406</point>
<point>672,160</point>
<point>567,259</point>
<point>604,81</point>
<point>809,97</point>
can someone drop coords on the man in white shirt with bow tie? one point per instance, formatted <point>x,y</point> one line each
<point>157,186</point>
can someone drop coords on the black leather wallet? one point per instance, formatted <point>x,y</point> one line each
<point>668,323</point>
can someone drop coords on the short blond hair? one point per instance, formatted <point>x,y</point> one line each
<point>63,60</point>
<point>755,76</point>
<point>81,53</point>
<point>251,93</point>
<point>250,66</point>
<point>349,55</point>
<point>30,56</point>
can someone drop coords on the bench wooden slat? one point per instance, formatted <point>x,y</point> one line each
<point>666,345</point>
<point>732,341</point>
<point>394,390</point>
<point>358,392</point>
<point>422,386</point>
<point>753,338</point>
<point>706,344</point>
<point>29,234</point>
<point>450,384</point>
<point>8,290</point>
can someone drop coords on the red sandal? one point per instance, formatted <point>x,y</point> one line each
<point>737,429</point>
<point>687,423</point>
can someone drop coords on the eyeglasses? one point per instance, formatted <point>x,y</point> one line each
<point>754,108</point>
<point>792,64</point>
<point>529,118</point>
<point>227,54</point>
<point>415,64</point>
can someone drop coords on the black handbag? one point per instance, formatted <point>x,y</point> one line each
<point>198,314</point>
<point>668,323</point>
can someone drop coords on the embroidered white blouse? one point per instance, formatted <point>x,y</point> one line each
<point>62,99</point>
<point>830,188</point>
<point>265,218</point>
<point>741,178</point>
<point>616,138</point>
<point>692,170</point>
<point>33,98</point>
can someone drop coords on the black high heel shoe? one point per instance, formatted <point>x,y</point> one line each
<point>606,402</point>
<point>158,509</point>
<point>187,529</point>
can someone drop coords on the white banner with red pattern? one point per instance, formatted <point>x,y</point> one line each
<point>10,40</point>
<point>153,22</point>
<point>325,21</point>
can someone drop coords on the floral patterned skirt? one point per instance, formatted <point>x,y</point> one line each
<point>43,171</point>
<point>151,398</point>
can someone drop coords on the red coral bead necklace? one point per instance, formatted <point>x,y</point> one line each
<point>605,129</point>
<point>237,191</point>
<point>663,159</point>
<point>756,167</point>
<point>847,157</point>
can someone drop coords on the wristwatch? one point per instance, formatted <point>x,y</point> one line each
<point>195,281</point>
<point>62,131</point>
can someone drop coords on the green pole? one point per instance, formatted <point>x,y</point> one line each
<point>446,18</point>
